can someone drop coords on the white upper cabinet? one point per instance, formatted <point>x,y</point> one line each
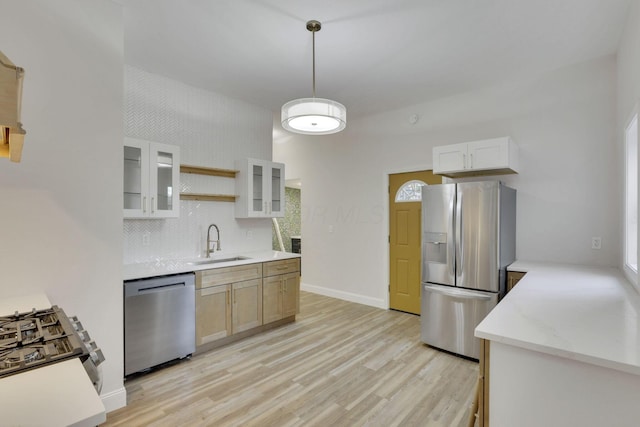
<point>260,189</point>
<point>495,156</point>
<point>151,179</point>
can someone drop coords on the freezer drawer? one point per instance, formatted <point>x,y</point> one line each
<point>450,315</point>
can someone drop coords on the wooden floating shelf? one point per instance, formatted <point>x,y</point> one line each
<point>200,170</point>
<point>208,197</point>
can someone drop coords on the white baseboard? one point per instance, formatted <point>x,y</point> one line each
<point>347,296</point>
<point>114,399</point>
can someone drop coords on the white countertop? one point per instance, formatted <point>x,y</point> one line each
<point>172,266</point>
<point>588,314</point>
<point>60,394</point>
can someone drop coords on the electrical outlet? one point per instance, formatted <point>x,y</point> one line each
<point>249,234</point>
<point>596,243</point>
<point>146,239</point>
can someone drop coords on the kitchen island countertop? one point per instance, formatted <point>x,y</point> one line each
<point>59,394</point>
<point>583,313</point>
<point>163,267</point>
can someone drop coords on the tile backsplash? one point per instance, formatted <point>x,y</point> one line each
<point>212,131</point>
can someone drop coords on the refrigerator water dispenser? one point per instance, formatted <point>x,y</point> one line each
<point>435,247</point>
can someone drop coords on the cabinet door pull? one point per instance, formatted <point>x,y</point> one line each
<point>464,161</point>
<point>471,157</point>
<point>153,204</point>
<point>144,204</point>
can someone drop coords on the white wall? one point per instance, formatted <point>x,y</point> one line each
<point>60,207</point>
<point>568,188</point>
<point>211,130</point>
<point>628,84</point>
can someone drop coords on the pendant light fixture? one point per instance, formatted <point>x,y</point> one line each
<point>314,116</point>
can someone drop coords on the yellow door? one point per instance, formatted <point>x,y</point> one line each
<point>404,241</point>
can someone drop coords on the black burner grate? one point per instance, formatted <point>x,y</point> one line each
<point>37,338</point>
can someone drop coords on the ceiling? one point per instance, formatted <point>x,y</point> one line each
<point>371,55</point>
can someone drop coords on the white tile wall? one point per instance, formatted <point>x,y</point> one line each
<point>211,130</point>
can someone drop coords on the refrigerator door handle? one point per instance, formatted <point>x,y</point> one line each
<point>451,251</point>
<point>458,235</point>
<point>459,293</point>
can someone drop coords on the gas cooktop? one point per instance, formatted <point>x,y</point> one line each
<point>37,338</point>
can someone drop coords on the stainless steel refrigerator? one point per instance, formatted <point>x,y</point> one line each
<point>468,240</point>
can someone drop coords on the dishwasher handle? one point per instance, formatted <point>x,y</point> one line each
<point>458,293</point>
<point>159,284</point>
<point>160,288</point>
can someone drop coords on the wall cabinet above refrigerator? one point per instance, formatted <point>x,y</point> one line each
<point>260,189</point>
<point>151,179</point>
<point>497,156</point>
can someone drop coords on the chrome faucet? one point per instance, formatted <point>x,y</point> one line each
<point>217,242</point>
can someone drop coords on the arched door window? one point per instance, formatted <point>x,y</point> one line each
<point>410,192</point>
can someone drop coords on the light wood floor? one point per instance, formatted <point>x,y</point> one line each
<point>339,364</point>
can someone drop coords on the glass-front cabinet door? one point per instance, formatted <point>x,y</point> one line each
<point>276,205</point>
<point>151,179</point>
<point>260,189</point>
<point>163,183</point>
<point>257,187</point>
<point>136,178</point>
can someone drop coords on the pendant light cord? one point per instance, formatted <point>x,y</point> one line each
<point>313,38</point>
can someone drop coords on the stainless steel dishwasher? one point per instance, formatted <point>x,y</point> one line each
<point>159,320</point>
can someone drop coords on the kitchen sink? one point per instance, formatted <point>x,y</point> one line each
<point>217,260</point>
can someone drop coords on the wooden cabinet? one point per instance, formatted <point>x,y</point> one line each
<point>234,302</point>
<point>260,189</point>
<point>280,289</point>
<point>483,383</point>
<point>151,179</point>
<point>486,157</point>
<point>213,313</point>
<point>246,312</point>
<point>228,301</point>
<point>513,277</point>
